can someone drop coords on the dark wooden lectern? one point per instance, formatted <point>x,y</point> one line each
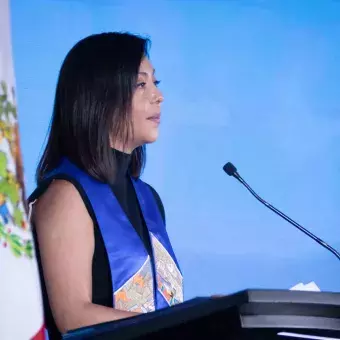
<point>249,314</point>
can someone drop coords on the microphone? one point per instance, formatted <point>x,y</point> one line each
<point>231,170</point>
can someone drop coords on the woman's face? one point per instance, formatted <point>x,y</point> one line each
<point>146,106</point>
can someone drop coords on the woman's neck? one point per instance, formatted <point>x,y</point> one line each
<point>127,149</point>
<point>122,163</point>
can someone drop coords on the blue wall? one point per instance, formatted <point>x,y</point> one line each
<point>254,82</point>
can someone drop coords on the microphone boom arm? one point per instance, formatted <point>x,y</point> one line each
<point>285,217</point>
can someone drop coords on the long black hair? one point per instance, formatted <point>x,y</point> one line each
<point>93,105</point>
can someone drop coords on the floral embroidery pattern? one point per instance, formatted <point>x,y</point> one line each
<point>169,278</point>
<point>136,295</point>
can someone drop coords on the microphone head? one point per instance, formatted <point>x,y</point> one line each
<point>230,169</point>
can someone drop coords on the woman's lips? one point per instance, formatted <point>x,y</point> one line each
<point>155,118</point>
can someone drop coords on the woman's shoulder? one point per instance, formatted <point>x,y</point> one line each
<point>58,199</point>
<point>54,190</point>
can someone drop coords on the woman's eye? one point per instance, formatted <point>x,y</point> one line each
<point>141,85</point>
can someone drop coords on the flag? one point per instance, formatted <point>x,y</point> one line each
<point>21,309</point>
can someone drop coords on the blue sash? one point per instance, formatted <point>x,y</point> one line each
<point>140,284</point>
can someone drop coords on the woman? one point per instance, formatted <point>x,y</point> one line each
<point>100,231</point>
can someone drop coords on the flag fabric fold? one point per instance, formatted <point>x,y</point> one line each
<point>21,309</point>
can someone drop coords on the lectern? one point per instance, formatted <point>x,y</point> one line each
<point>249,314</point>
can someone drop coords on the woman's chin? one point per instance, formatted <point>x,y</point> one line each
<point>151,138</point>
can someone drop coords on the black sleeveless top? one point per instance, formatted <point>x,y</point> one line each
<point>101,278</point>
